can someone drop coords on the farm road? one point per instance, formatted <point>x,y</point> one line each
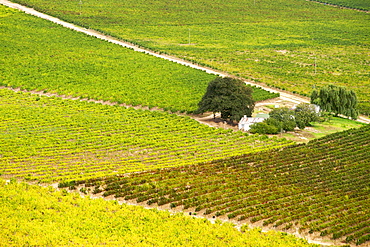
<point>296,99</point>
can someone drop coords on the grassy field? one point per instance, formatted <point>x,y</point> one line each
<point>49,139</point>
<point>318,130</point>
<point>291,44</point>
<point>319,189</point>
<point>334,125</point>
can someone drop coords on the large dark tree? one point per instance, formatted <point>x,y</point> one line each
<point>338,100</point>
<point>229,96</point>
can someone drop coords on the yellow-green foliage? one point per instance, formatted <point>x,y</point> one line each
<point>355,4</point>
<point>39,55</point>
<point>322,187</point>
<point>36,216</point>
<point>36,54</point>
<point>53,138</point>
<point>291,44</point>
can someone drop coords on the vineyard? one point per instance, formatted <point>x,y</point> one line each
<point>290,44</point>
<point>36,216</point>
<point>48,138</point>
<point>41,55</point>
<point>218,178</point>
<point>355,4</point>
<point>321,188</point>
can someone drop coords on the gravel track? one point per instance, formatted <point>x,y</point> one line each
<point>296,99</point>
<point>284,95</point>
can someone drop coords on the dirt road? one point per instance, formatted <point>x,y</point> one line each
<point>284,95</point>
<point>296,99</point>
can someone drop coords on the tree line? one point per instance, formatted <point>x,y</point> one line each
<point>233,99</point>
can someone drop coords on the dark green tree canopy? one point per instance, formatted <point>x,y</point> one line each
<point>338,100</point>
<point>285,119</point>
<point>285,116</point>
<point>229,96</point>
<point>264,128</point>
<point>304,114</point>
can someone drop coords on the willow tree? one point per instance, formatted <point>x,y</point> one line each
<point>335,99</point>
<point>229,96</point>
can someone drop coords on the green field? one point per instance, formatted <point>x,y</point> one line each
<point>334,125</point>
<point>291,44</point>
<point>320,188</point>
<point>49,139</point>
<point>356,4</point>
<point>318,130</point>
<point>37,54</point>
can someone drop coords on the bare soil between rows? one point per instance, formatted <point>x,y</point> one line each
<point>208,120</point>
<point>314,238</point>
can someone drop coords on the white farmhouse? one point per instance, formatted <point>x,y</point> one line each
<point>246,122</point>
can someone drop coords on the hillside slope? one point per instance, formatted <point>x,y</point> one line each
<point>319,189</point>
<point>291,44</point>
